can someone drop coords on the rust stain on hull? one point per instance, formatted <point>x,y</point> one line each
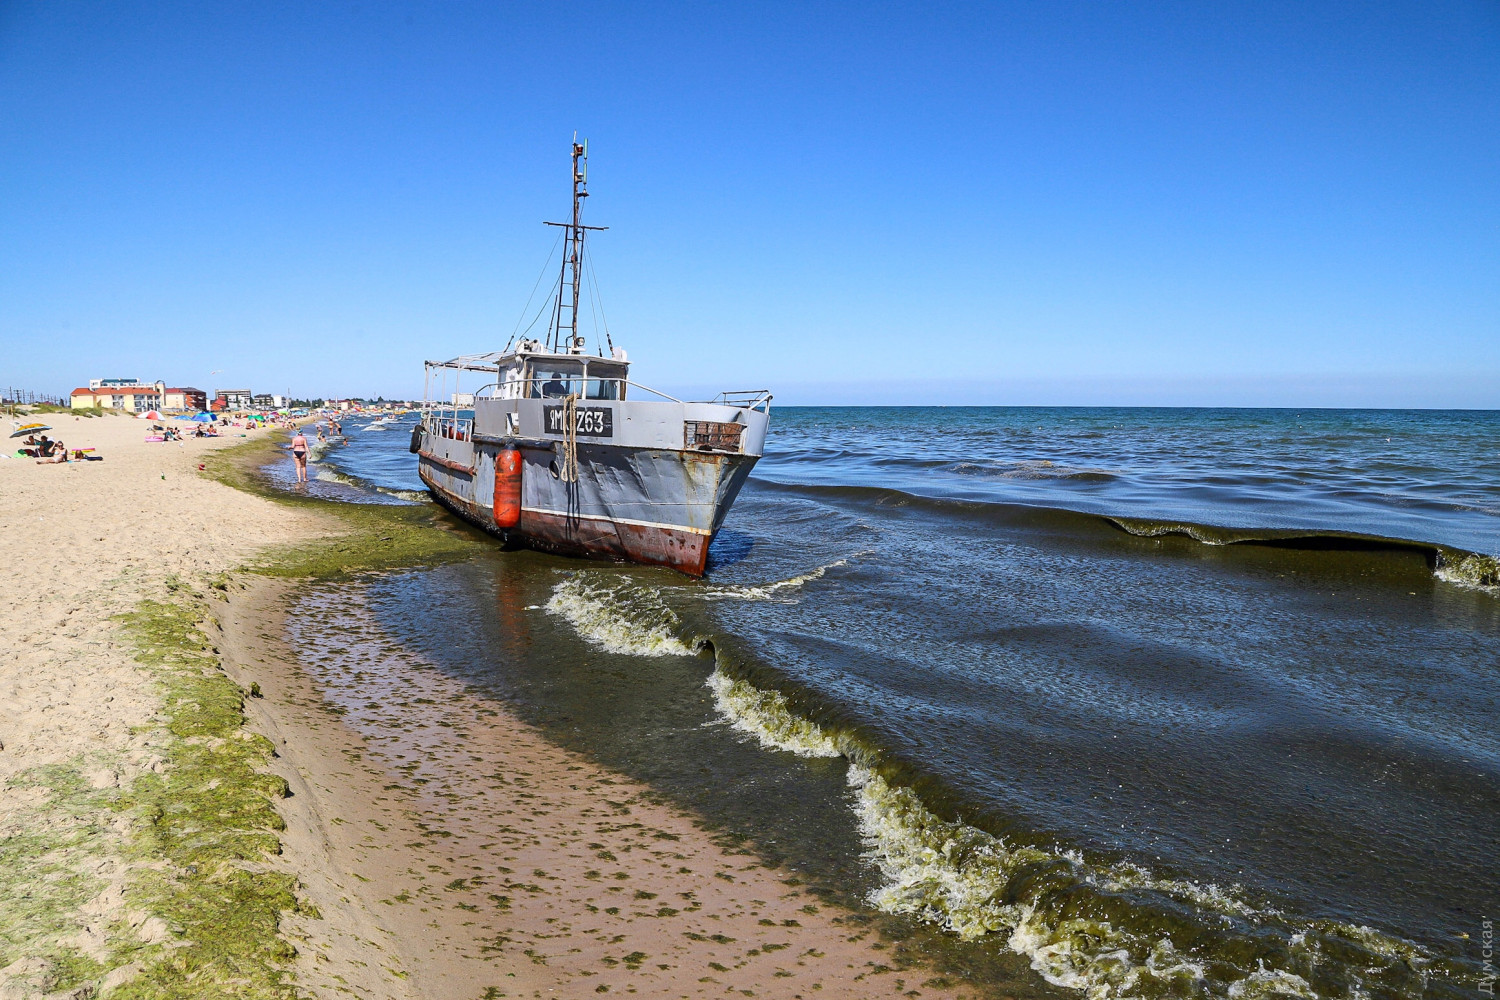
<point>679,549</point>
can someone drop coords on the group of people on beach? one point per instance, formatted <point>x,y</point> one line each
<point>171,432</point>
<point>49,452</point>
<point>45,450</point>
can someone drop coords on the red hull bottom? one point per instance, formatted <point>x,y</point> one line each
<point>679,549</point>
<point>651,545</point>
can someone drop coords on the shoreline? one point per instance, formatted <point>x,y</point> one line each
<point>502,862</point>
<point>398,887</point>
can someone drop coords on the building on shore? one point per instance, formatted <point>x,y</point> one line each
<point>130,396</point>
<point>232,399</point>
<point>135,398</point>
<point>185,398</point>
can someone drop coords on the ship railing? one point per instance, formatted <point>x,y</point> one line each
<point>749,399</point>
<point>452,428</point>
<point>655,392</point>
<point>523,388</point>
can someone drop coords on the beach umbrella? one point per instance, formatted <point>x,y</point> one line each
<point>202,418</point>
<point>26,429</point>
<point>149,415</point>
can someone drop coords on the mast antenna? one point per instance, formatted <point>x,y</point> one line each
<point>563,337</point>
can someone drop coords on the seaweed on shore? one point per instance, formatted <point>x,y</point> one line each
<point>363,537</point>
<point>42,884</point>
<point>204,826</point>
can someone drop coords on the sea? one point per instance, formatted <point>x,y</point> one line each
<point>1132,702</point>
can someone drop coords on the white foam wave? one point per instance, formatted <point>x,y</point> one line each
<point>1264,982</point>
<point>415,496</point>
<point>955,875</point>
<point>617,616</point>
<point>1475,571</point>
<point>772,591</point>
<point>1159,530</point>
<point>766,716</point>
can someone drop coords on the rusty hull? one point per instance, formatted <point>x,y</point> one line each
<point>659,508</point>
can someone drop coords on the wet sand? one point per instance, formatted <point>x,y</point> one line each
<point>454,852</point>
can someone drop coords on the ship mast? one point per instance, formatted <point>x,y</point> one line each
<point>564,337</point>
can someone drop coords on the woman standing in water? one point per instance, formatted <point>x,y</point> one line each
<point>299,455</point>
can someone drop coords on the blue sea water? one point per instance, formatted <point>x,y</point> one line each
<point>1170,701</point>
<point>1428,476</point>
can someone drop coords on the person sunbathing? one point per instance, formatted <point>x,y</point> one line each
<point>51,452</point>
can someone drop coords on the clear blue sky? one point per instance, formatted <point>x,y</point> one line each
<point>1050,202</point>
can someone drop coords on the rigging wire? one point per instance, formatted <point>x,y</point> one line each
<point>588,259</point>
<point>527,307</point>
<point>546,305</point>
<point>593,300</point>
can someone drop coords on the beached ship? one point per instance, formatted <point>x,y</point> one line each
<point>557,449</point>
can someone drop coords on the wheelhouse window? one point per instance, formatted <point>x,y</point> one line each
<point>555,379</point>
<point>605,381</point>
<point>589,380</point>
<point>512,382</point>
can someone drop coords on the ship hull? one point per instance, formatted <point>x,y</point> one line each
<point>652,506</point>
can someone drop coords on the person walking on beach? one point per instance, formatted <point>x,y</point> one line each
<point>299,456</point>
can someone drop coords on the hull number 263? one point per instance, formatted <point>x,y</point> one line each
<point>591,421</point>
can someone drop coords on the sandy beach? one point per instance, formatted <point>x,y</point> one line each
<point>436,846</point>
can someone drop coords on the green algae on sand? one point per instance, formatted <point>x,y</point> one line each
<point>42,882</point>
<point>365,537</point>
<point>205,825</point>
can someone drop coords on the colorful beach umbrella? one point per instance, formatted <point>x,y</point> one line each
<point>26,429</point>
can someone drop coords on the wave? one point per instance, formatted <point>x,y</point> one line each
<point>1467,569</point>
<point>1107,928</point>
<point>1474,570</point>
<point>1209,534</point>
<point>414,496</point>
<point>318,449</point>
<point>768,717</point>
<point>617,615</point>
<point>329,474</point>
<point>775,590</point>
<point>1470,569</point>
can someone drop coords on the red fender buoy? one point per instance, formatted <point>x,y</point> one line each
<point>507,488</point>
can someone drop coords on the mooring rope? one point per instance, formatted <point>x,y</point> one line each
<point>569,472</point>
